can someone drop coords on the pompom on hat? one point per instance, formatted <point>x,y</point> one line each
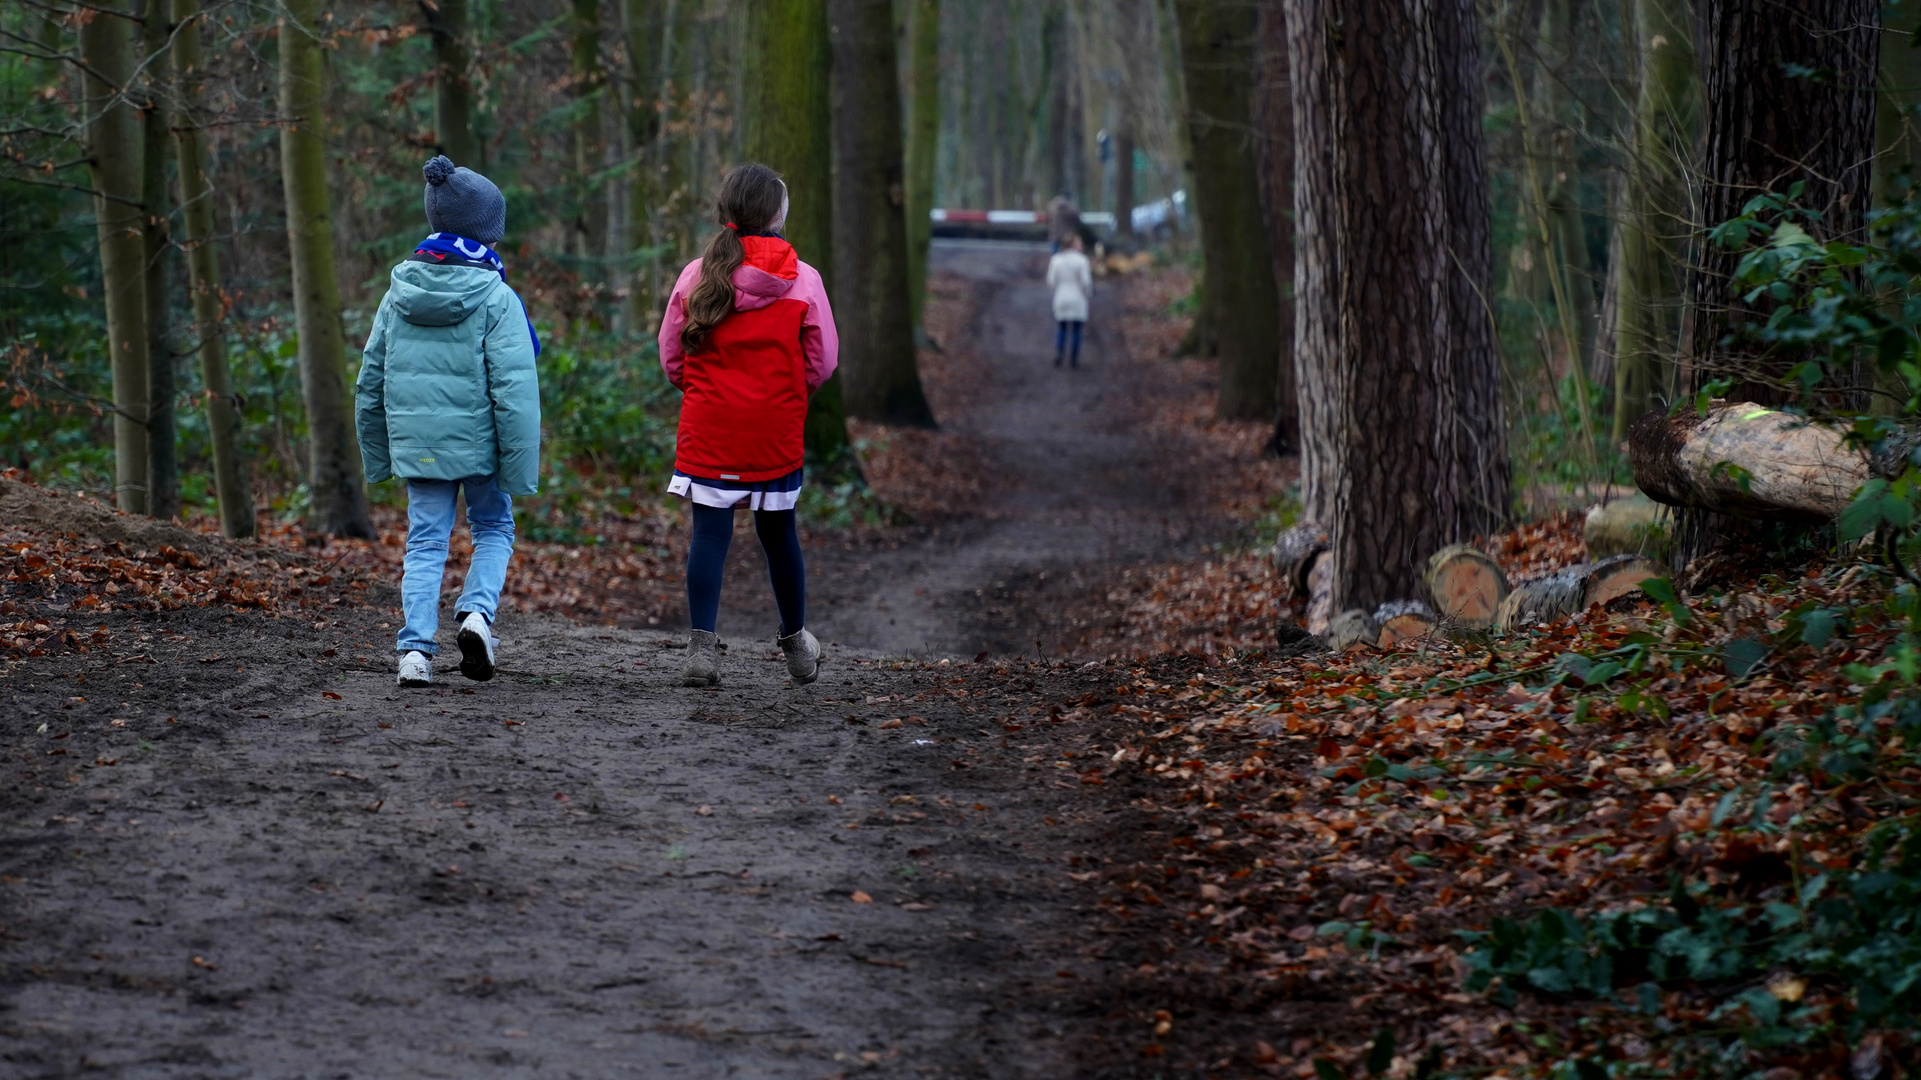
<point>463,202</point>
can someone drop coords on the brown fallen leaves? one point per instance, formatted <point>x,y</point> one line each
<point>1327,825</point>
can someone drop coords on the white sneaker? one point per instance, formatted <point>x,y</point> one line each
<point>416,669</point>
<point>476,641</point>
<point>803,656</point>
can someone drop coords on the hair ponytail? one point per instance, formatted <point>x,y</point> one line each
<point>752,199</point>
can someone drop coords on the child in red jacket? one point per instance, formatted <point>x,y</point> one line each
<point>747,337</point>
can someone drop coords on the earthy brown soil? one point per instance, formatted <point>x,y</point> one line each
<point>231,847</point>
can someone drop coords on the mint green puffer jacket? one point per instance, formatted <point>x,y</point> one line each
<point>447,385</point>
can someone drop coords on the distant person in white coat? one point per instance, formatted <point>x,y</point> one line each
<point>1071,277</point>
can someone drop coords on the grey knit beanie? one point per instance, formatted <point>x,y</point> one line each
<point>463,202</point>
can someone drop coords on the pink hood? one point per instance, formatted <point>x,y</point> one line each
<point>771,271</point>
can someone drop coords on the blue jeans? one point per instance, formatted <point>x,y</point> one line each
<point>430,520</point>
<point>1062,330</point>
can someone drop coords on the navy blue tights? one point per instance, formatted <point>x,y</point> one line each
<point>707,559</point>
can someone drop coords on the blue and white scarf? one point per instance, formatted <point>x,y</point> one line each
<point>449,248</point>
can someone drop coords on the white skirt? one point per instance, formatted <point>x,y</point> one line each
<point>780,493</point>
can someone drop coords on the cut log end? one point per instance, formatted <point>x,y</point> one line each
<point>1574,590</point>
<point>1465,586</point>
<point>1404,620</point>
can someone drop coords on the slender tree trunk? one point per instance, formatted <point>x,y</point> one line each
<point>784,118</point>
<point>163,467</point>
<point>1655,220</point>
<point>1217,58</point>
<point>1482,477</point>
<point>113,152</point>
<point>1274,155</point>
<point>923,140</point>
<point>1400,393</point>
<point>333,455</point>
<point>1124,180</point>
<point>453,81</point>
<point>871,305</point>
<point>1061,146</point>
<point>643,21</point>
<point>1765,126</point>
<point>203,274</point>
<point>590,80</point>
<point>1317,256</point>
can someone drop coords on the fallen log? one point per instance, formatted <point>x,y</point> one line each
<point>1574,590</point>
<point>1746,460</point>
<point>1401,620</point>
<point>1351,628</point>
<point>1465,586</point>
<point>1295,553</point>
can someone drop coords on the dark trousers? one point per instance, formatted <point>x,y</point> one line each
<point>707,560</point>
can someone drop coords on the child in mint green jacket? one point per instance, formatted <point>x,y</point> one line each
<point>448,399</point>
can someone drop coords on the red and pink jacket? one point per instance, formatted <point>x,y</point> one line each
<point>744,405</point>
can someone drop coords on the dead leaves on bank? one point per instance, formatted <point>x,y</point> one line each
<point>1331,824</point>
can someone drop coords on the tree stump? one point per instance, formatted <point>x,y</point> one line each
<point>1746,460</point>
<point>1465,586</point>
<point>1574,590</point>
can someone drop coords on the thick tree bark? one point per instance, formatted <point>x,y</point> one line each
<point>113,159</point>
<point>453,82</point>
<point>784,111</point>
<point>871,305</point>
<point>333,455</point>
<point>1217,60</point>
<point>1654,223</point>
<point>1401,411</point>
<point>163,467</point>
<point>590,140</point>
<point>1765,126</point>
<point>1748,461</point>
<point>923,143</point>
<point>1273,115</point>
<point>203,275</point>
<point>1897,127</point>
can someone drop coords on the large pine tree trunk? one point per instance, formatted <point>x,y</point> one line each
<point>1767,123</point>
<point>923,142</point>
<point>871,307</point>
<point>333,456</point>
<point>113,159</point>
<point>1273,115</point>
<point>163,467</point>
<point>784,113</point>
<point>1217,62</point>
<point>1653,232</point>
<point>203,275</point>
<point>453,82</point>
<point>1406,453</point>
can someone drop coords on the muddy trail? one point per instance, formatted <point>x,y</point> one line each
<point>231,847</point>
<point>1076,486</point>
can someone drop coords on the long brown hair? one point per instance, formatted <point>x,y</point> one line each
<point>750,199</point>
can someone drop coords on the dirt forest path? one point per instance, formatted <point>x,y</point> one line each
<point>231,847</point>
<point>1075,486</point>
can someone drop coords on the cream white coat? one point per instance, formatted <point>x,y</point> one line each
<point>1071,277</point>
